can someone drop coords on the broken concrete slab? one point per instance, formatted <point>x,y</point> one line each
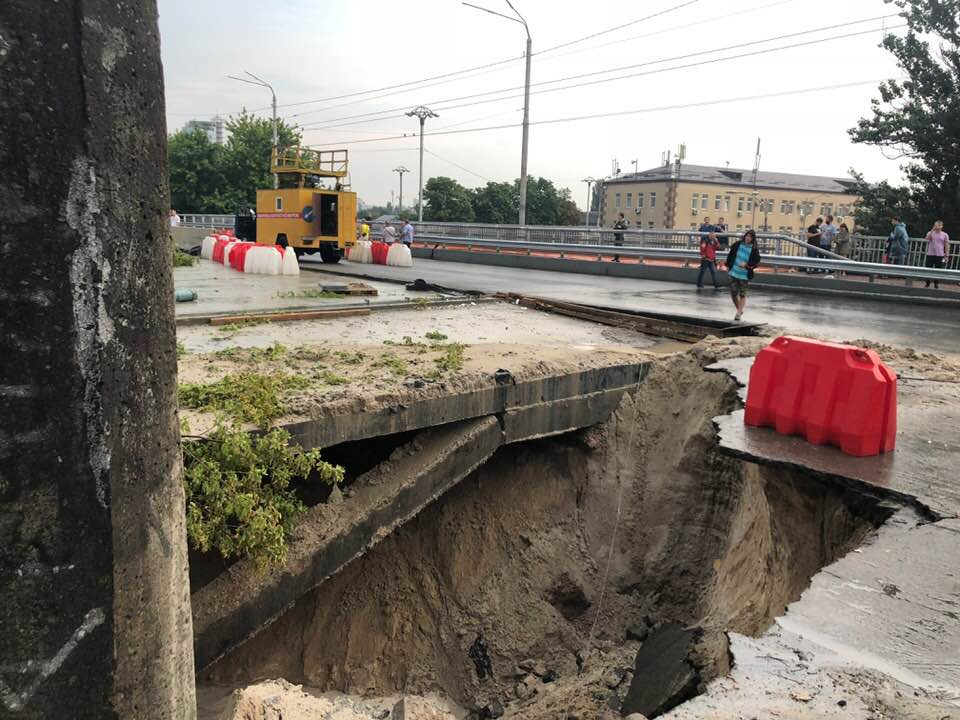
<point>921,471</point>
<point>243,599</point>
<point>664,674</point>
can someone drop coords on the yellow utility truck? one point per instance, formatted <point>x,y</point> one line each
<point>312,208</point>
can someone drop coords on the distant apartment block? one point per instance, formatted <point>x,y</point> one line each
<point>680,196</point>
<point>213,128</point>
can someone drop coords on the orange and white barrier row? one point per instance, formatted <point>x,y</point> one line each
<point>250,257</point>
<point>378,253</point>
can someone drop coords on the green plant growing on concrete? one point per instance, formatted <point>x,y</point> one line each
<point>331,378</point>
<point>239,499</point>
<point>452,357</point>
<point>180,258</point>
<point>181,350</point>
<point>390,361</point>
<point>241,324</point>
<point>435,336</point>
<point>421,303</point>
<point>350,357</point>
<point>246,397</point>
<point>312,293</point>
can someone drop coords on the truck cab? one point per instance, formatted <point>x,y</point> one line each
<point>312,208</point>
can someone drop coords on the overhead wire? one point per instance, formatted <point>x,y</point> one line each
<point>439,106</point>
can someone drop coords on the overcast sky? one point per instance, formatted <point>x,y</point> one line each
<point>325,49</point>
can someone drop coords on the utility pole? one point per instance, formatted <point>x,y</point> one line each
<point>401,170</point>
<point>589,181</point>
<point>635,163</point>
<point>526,103</point>
<point>756,173</point>
<point>423,113</point>
<point>263,83</point>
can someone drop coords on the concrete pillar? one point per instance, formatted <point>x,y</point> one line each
<point>94,597</point>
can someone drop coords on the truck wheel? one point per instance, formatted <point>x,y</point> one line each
<point>329,254</point>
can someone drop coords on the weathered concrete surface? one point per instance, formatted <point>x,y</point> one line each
<point>499,394</point>
<point>94,604</point>
<point>883,615</point>
<point>922,469</point>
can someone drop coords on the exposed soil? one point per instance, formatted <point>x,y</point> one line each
<point>521,551</point>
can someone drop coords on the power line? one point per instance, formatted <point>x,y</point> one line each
<point>468,170</point>
<point>498,63</point>
<point>612,79</point>
<point>617,113</point>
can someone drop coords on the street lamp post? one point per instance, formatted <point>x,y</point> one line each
<point>526,103</point>
<point>401,170</point>
<point>263,83</point>
<point>586,217</point>
<point>423,113</point>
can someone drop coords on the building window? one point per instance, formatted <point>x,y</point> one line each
<point>739,227</point>
<point>653,200</point>
<point>826,209</point>
<point>279,203</point>
<point>704,201</point>
<point>750,204</point>
<point>616,201</point>
<point>843,210</point>
<point>726,203</point>
<point>741,203</point>
<point>693,226</point>
<point>716,202</point>
<point>629,200</point>
<point>695,201</point>
<point>783,209</point>
<point>639,201</point>
<point>650,224</point>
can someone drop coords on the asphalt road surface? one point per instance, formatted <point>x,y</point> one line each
<point>922,327</point>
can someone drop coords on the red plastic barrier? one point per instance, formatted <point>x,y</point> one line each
<point>218,247</point>
<point>238,256</point>
<point>831,394</point>
<point>379,251</point>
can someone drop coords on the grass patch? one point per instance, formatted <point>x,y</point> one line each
<point>331,378</point>
<point>180,258</point>
<point>435,336</point>
<point>390,361</point>
<point>350,357</point>
<point>274,352</point>
<point>181,350</point>
<point>311,293</point>
<point>246,397</point>
<point>452,357</point>
<point>241,324</point>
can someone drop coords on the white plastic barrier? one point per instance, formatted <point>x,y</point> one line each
<point>206,250</point>
<point>361,252</point>
<point>290,264</point>
<point>263,260</point>
<point>226,253</point>
<point>399,255</point>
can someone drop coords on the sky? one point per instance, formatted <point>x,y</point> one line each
<point>324,58</point>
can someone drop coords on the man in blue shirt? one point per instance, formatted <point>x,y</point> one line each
<point>406,233</point>
<point>898,244</point>
<point>741,260</point>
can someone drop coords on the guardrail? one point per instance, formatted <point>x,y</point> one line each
<point>770,259</point>
<point>213,222</point>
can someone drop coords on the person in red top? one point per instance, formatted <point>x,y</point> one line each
<point>708,259</point>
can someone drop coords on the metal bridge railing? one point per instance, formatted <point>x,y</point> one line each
<point>213,222</point>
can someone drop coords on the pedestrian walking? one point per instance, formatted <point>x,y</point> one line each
<point>898,243</point>
<point>741,261</point>
<point>406,233</point>
<point>620,224</point>
<point>938,249</point>
<point>708,259</point>
<point>389,233</point>
<point>813,239</point>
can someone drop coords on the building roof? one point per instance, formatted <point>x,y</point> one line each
<point>734,176</point>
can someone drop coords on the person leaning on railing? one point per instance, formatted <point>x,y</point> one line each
<point>898,243</point>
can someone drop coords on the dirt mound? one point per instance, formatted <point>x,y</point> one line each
<point>554,548</point>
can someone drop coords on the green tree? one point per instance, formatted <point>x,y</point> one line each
<point>205,177</point>
<point>196,172</point>
<point>446,200</point>
<point>567,211</point>
<point>878,201</point>
<point>496,203</point>
<point>918,118</point>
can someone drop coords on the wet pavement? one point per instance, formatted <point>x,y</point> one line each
<point>926,327</point>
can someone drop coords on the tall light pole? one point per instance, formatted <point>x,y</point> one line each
<point>423,113</point>
<point>401,169</point>
<point>589,180</point>
<point>263,83</point>
<point>526,103</point>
